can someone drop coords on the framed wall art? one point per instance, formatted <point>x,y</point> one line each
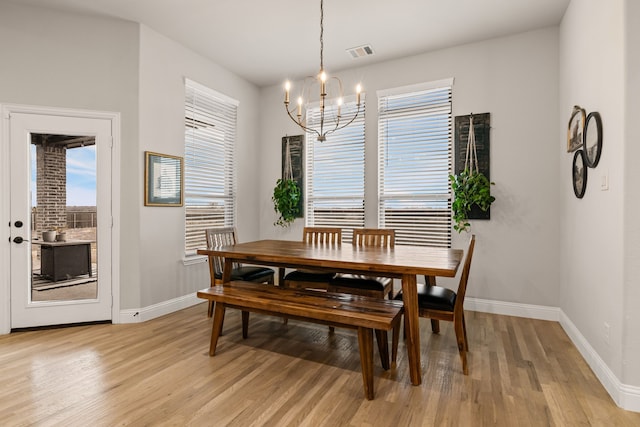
<point>593,139</point>
<point>163,180</point>
<point>579,174</point>
<point>575,129</point>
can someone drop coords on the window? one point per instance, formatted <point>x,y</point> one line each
<point>209,140</point>
<point>335,173</point>
<point>414,163</point>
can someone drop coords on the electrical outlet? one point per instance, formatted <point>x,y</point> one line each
<point>606,331</point>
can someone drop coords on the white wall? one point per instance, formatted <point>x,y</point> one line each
<point>64,60</point>
<point>631,296</point>
<point>515,79</point>
<point>163,66</point>
<point>592,238</point>
<point>67,60</point>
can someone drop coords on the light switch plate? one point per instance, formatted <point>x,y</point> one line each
<point>604,180</point>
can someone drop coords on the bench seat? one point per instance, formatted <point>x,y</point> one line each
<point>333,309</point>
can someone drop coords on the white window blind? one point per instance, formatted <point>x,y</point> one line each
<point>209,184</point>
<point>335,173</point>
<point>414,154</point>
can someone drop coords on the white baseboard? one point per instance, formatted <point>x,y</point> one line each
<point>625,396</point>
<point>529,311</point>
<point>137,315</point>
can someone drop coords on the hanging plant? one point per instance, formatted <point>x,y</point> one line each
<point>470,187</point>
<point>286,194</point>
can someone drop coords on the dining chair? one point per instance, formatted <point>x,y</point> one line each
<point>440,303</point>
<point>358,284</point>
<point>310,278</point>
<point>224,236</point>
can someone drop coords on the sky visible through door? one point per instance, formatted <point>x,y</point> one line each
<point>81,176</point>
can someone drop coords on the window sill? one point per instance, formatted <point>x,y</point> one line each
<point>193,259</point>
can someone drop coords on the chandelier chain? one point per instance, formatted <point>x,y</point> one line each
<point>321,35</point>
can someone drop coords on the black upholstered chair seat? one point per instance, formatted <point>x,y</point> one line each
<point>359,281</point>
<point>434,298</point>
<point>249,273</point>
<point>309,276</point>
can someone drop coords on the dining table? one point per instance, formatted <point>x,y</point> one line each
<point>400,262</point>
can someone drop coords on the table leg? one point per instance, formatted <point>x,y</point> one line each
<point>410,299</point>
<point>226,271</point>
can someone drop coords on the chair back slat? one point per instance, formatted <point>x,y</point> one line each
<point>330,235</point>
<point>217,237</point>
<point>464,277</point>
<point>384,238</point>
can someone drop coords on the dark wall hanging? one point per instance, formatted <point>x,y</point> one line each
<point>584,136</point>
<point>579,174</point>
<point>296,151</point>
<point>593,139</point>
<point>481,127</point>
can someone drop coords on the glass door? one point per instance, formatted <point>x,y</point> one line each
<point>60,238</point>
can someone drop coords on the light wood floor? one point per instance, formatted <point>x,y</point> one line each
<point>522,372</point>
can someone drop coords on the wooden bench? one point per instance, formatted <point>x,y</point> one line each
<point>333,309</point>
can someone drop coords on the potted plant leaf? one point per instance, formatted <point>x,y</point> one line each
<point>470,187</point>
<point>286,194</point>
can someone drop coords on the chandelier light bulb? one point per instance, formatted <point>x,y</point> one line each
<point>287,88</point>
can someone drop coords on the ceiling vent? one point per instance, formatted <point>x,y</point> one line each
<point>360,51</point>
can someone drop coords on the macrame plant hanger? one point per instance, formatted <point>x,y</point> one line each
<point>288,169</point>
<point>471,158</point>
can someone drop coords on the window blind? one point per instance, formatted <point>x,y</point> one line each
<point>209,184</point>
<point>414,162</point>
<point>335,173</point>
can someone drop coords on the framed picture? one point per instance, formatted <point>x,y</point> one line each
<point>163,179</point>
<point>579,173</point>
<point>593,139</point>
<point>575,130</point>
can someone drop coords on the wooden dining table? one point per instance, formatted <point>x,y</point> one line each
<point>401,262</point>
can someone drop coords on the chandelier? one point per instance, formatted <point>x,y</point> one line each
<point>328,124</point>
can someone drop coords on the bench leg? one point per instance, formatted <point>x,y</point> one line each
<point>218,318</point>
<point>365,341</point>
<point>383,348</point>
<point>394,342</point>
<point>245,324</point>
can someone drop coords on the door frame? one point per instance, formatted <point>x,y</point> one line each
<point>5,188</point>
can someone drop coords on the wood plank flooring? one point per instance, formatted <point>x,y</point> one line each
<point>522,372</point>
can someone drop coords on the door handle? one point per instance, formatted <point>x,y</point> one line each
<point>19,239</point>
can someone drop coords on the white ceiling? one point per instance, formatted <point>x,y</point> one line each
<point>268,41</point>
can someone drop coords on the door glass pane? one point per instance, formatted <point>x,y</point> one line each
<point>63,218</point>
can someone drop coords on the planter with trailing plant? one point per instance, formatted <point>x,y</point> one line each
<point>469,189</point>
<point>286,198</point>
